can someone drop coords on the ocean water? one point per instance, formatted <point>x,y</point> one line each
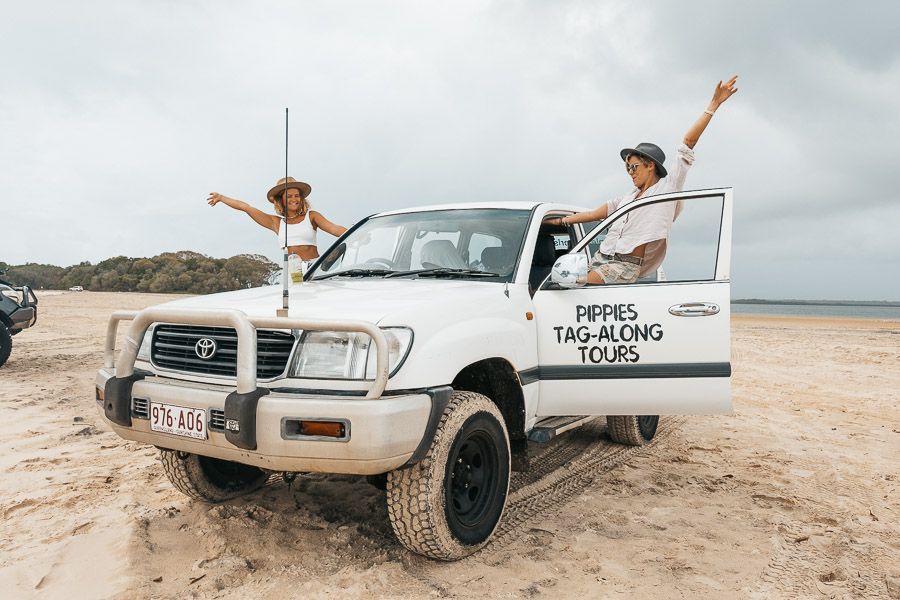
<point>891,313</point>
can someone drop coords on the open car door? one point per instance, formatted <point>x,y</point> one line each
<point>656,347</point>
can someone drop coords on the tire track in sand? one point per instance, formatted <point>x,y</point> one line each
<point>566,470</point>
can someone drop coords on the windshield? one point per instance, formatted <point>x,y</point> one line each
<point>479,244</point>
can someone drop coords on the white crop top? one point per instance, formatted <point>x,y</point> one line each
<point>298,234</point>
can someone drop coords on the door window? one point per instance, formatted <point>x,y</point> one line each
<point>595,242</point>
<point>688,254</point>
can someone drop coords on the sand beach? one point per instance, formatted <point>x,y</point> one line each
<point>795,495</point>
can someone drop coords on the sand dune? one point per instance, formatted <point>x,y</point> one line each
<point>794,496</point>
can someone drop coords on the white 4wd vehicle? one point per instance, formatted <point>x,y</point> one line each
<point>430,345</point>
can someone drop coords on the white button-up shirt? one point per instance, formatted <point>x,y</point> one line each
<point>650,224</point>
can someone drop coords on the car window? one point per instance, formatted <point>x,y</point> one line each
<point>378,245</point>
<point>485,241</point>
<point>693,245</point>
<point>598,239</point>
<point>561,243</point>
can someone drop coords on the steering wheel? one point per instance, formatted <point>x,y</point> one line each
<point>384,262</point>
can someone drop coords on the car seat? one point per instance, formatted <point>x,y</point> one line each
<point>544,257</point>
<point>441,254</point>
<point>496,260</point>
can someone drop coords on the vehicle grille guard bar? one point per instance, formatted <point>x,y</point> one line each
<point>245,327</point>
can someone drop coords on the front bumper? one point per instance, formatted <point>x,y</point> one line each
<point>25,316</point>
<point>382,434</point>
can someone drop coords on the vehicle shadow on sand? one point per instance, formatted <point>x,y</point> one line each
<point>317,524</point>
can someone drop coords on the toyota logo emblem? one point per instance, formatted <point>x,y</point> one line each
<point>205,348</point>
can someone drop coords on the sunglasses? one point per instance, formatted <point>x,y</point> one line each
<point>631,168</point>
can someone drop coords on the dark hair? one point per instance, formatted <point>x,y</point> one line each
<point>645,161</point>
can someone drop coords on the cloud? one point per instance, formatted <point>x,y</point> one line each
<point>119,119</point>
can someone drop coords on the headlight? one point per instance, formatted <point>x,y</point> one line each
<point>399,339</point>
<point>12,294</point>
<point>144,351</point>
<point>347,355</point>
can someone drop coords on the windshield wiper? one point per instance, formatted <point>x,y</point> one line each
<point>355,273</point>
<point>443,272</point>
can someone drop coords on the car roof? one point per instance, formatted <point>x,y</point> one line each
<point>507,205</point>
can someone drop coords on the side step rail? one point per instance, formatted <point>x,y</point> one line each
<point>549,428</point>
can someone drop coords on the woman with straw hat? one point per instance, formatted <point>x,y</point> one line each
<point>289,199</point>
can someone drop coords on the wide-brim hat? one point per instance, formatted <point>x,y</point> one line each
<point>288,184</point>
<point>649,151</point>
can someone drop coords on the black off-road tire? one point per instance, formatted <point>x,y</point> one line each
<point>448,505</point>
<point>210,479</point>
<point>632,430</point>
<point>5,343</point>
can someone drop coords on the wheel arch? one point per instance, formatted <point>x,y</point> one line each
<point>497,379</point>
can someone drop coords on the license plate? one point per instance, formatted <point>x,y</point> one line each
<point>178,420</point>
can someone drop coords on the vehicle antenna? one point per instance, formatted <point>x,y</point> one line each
<point>285,294</point>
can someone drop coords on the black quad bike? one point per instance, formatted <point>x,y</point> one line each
<point>18,311</point>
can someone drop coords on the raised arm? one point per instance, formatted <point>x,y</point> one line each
<point>325,225</point>
<point>266,220</point>
<point>723,92</point>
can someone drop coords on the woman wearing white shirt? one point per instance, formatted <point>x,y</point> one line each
<point>636,245</point>
<point>302,222</point>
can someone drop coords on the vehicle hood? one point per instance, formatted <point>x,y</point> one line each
<point>366,299</point>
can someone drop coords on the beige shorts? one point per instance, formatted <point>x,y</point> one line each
<point>614,271</point>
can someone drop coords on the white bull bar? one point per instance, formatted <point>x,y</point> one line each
<point>245,326</point>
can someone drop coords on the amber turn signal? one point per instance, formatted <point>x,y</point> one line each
<point>323,428</point>
<point>99,392</point>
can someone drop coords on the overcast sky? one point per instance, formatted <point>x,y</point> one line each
<point>118,118</point>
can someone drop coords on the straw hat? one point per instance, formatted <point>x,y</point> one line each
<point>289,183</point>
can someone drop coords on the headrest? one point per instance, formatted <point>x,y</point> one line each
<point>544,251</point>
<point>494,258</point>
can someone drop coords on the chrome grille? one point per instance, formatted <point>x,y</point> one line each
<point>140,408</point>
<point>217,419</point>
<point>174,348</point>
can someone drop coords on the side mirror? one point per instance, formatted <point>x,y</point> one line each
<point>568,269</point>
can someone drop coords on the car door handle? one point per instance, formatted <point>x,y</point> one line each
<point>694,309</point>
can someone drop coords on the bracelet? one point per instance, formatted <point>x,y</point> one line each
<point>710,112</point>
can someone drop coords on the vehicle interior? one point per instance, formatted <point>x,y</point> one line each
<point>552,242</point>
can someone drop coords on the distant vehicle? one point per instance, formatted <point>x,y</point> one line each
<point>76,288</point>
<point>18,311</point>
<point>427,349</point>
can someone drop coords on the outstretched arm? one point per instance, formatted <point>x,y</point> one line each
<point>723,92</point>
<point>580,217</point>
<point>325,225</point>
<point>266,220</point>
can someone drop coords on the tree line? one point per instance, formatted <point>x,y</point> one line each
<point>184,271</point>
